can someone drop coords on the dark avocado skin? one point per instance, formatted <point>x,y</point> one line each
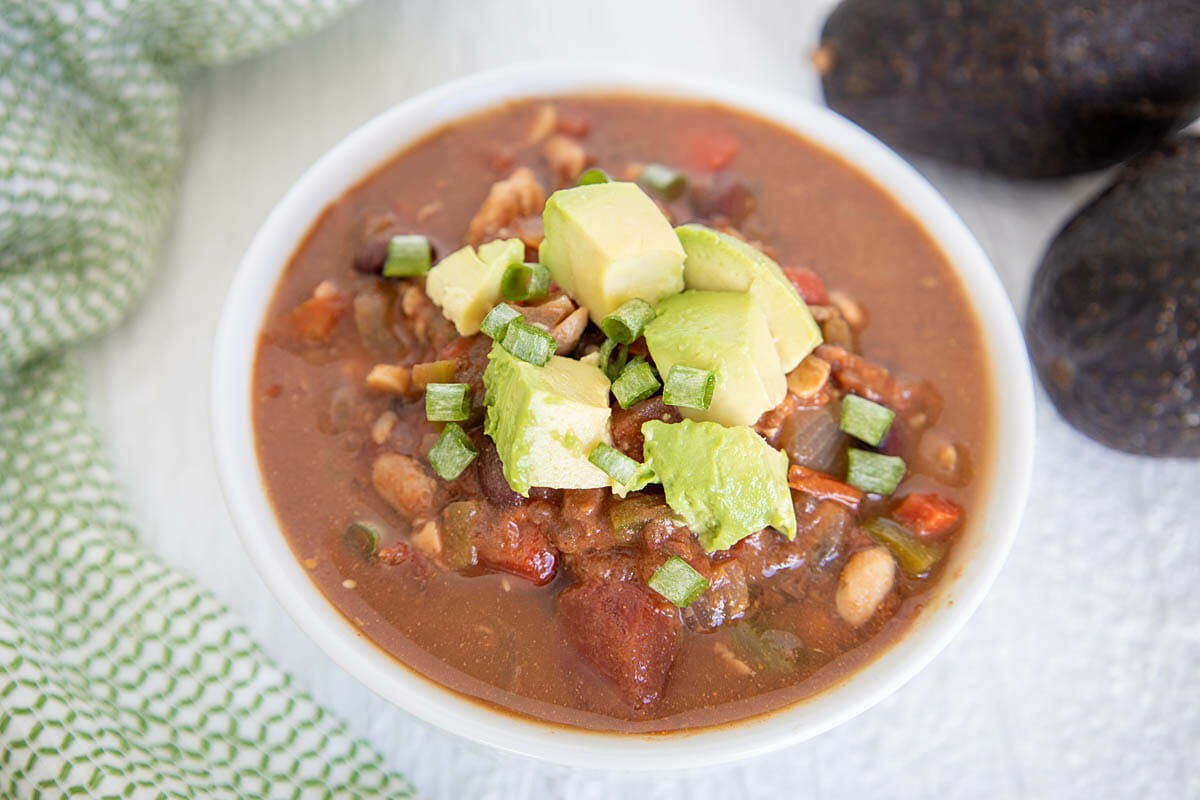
<point>1113,323</point>
<point>1017,87</point>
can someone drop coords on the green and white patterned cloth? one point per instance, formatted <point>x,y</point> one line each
<point>118,676</point>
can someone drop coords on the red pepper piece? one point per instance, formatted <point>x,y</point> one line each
<point>818,484</point>
<point>928,515</point>
<point>808,284</point>
<point>711,150</point>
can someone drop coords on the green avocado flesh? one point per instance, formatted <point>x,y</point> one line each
<point>726,333</point>
<point>727,483</point>
<point>607,243</point>
<point>719,262</point>
<point>545,421</point>
<point>466,285</point>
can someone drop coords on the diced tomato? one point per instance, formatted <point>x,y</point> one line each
<point>456,350</point>
<point>518,547</point>
<point>626,633</point>
<point>574,126</point>
<point>711,150</point>
<point>927,514</point>
<point>498,159</point>
<point>315,318</point>
<point>395,554</point>
<point>808,284</point>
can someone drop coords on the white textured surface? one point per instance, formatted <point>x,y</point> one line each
<point>1076,678</point>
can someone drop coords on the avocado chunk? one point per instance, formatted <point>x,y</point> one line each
<point>1113,322</point>
<point>727,483</point>
<point>466,285</point>
<point>727,333</point>
<point>1026,88</point>
<point>545,421</point>
<point>722,263</point>
<point>607,243</point>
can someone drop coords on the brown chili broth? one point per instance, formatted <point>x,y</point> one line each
<point>494,638</point>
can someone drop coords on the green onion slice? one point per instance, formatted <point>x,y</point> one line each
<point>496,322</point>
<point>523,282</point>
<point>610,365</point>
<point>408,255</point>
<point>915,557</point>
<point>635,383</point>
<point>689,387</point>
<point>627,473</point>
<point>362,539</point>
<point>452,452</point>
<point>447,402</point>
<point>874,472</point>
<point>593,175</point>
<point>865,420</point>
<point>663,180</point>
<point>528,343</point>
<point>627,322</point>
<point>618,466</point>
<point>678,582</point>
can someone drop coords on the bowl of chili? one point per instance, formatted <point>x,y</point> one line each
<point>350,501</point>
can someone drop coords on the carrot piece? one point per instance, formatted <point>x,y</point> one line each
<point>808,284</point>
<point>928,515</point>
<point>820,485</point>
<point>711,150</point>
<point>315,318</point>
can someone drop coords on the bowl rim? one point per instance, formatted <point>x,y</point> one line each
<point>973,567</point>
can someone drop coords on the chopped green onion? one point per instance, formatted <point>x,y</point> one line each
<point>408,255</point>
<point>362,539</point>
<point>626,323</point>
<point>525,282</point>
<point>635,384</point>
<point>434,372</point>
<point>689,387</point>
<point>663,180</point>
<point>915,557</point>
<point>865,420</point>
<point>593,175</point>
<point>678,582</point>
<point>497,320</point>
<point>447,402</point>
<point>528,343</point>
<point>874,472</point>
<point>612,366</point>
<point>452,452</point>
<point>618,466</point>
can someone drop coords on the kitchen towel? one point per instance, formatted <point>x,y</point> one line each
<point>119,677</point>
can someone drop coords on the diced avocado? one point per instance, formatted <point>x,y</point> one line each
<point>607,243</point>
<point>726,483</point>
<point>546,421</point>
<point>466,285</point>
<point>724,332</point>
<point>722,263</point>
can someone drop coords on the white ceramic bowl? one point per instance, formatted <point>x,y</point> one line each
<point>975,561</point>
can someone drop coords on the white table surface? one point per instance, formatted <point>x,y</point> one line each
<point>1076,678</point>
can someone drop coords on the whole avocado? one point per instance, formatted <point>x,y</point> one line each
<point>1113,323</point>
<point>1025,88</point>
